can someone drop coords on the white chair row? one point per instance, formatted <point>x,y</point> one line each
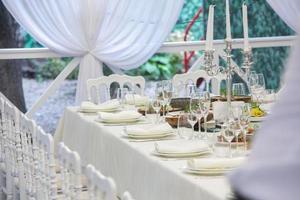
<point>26,156</point>
<point>99,88</point>
<point>28,164</point>
<point>99,187</point>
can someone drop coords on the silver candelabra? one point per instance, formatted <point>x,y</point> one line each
<point>230,69</point>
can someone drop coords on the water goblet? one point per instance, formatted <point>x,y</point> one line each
<point>192,119</point>
<point>204,100</point>
<point>156,105</point>
<point>238,89</point>
<point>229,134</point>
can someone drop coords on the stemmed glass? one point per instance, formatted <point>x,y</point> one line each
<point>121,96</point>
<point>192,119</point>
<point>228,134</point>
<point>204,101</point>
<point>244,120</point>
<point>156,105</point>
<point>235,115</point>
<point>195,108</point>
<point>257,85</point>
<point>238,89</point>
<point>191,90</point>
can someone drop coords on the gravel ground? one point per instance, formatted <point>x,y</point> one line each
<point>48,115</point>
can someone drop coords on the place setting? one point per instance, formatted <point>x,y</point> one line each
<point>148,132</point>
<point>89,107</point>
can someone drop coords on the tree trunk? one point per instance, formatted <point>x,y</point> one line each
<point>10,70</point>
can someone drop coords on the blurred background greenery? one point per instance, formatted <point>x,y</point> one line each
<point>263,22</point>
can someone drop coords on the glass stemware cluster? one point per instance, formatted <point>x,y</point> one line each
<point>162,98</point>
<point>258,86</point>
<point>236,125</point>
<point>198,109</point>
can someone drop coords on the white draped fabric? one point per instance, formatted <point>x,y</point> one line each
<point>288,10</point>
<point>272,172</point>
<point>121,33</point>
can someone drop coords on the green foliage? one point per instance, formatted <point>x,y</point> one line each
<point>161,66</point>
<point>52,67</point>
<point>263,22</point>
<point>29,42</point>
<point>189,9</point>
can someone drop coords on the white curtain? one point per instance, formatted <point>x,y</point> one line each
<point>288,10</point>
<point>121,33</point>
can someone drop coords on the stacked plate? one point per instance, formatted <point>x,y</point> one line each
<point>180,149</point>
<point>212,166</point>
<point>108,106</point>
<point>123,117</point>
<point>148,131</point>
<point>257,119</point>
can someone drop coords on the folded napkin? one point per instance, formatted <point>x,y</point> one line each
<point>137,100</point>
<point>108,105</point>
<point>180,146</point>
<point>121,116</point>
<point>215,163</point>
<point>149,129</point>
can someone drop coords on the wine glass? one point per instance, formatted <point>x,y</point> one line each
<point>244,121</point>
<point>236,113</point>
<point>204,100</point>
<point>238,89</point>
<point>156,105</point>
<point>228,134</point>
<point>191,90</point>
<point>121,94</point>
<point>195,108</point>
<point>167,97</point>
<point>192,119</point>
<point>130,99</point>
<point>184,129</point>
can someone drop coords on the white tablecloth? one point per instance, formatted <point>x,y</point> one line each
<point>131,164</point>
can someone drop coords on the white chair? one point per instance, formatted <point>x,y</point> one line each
<point>29,155</point>
<point>180,81</point>
<point>71,186</point>
<point>127,196</point>
<point>96,88</point>
<point>99,186</point>
<point>45,184</point>
<point>2,151</point>
<point>9,149</point>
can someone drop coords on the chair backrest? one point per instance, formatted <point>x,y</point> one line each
<point>127,196</point>
<point>70,172</point>
<point>96,88</point>
<point>179,81</point>
<point>29,154</point>
<point>2,122</point>
<point>46,174</point>
<point>9,139</point>
<point>99,186</point>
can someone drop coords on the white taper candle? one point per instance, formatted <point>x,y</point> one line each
<point>207,43</point>
<point>245,26</point>
<point>212,27</point>
<point>228,28</point>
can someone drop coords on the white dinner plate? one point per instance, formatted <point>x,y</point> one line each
<point>150,136</point>
<point>119,121</point>
<point>84,110</point>
<point>206,171</point>
<point>180,155</point>
<point>257,119</point>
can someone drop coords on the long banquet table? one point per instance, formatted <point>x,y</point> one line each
<point>131,164</point>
